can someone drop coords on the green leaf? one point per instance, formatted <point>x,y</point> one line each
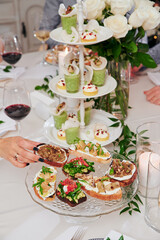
<point>124,210</point>
<point>138,199</point>
<point>38,88</point>
<point>115,124</point>
<point>121,238</point>
<point>134,203</point>
<point>146,60</point>
<point>136,210</point>
<point>1,121</point>
<point>131,152</point>
<point>114,119</point>
<point>140,34</point>
<point>142,47</point>
<point>131,47</point>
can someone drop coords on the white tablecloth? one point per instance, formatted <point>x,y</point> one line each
<point>22,218</point>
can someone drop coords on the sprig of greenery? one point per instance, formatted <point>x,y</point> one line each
<point>45,87</point>
<point>132,206</point>
<point>1,121</point>
<point>7,68</point>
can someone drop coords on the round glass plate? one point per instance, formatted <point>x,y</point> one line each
<point>92,207</point>
<point>109,86</point>
<point>97,116</point>
<point>103,34</point>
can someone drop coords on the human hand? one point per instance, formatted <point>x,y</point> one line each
<point>153,95</point>
<point>18,151</point>
<point>135,69</point>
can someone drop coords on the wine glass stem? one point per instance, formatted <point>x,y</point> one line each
<point>19,128</point>
<point>43,47</point>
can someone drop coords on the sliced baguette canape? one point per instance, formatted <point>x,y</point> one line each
<point>125,172</point>
<point>101,188</point>
<point>44,183</point>
<point>70,192</point>
<point>51,155</point>
<point>90,151</point>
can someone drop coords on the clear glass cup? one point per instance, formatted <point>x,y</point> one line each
<point>148,140</point>
<point>152,200</point>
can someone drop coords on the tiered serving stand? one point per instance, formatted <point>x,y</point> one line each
<point>109,86</point>
<point>92,207</point>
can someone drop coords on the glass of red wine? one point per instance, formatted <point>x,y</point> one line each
<point>16,101</point>
<point>12,50</point>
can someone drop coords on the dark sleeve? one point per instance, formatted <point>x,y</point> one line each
<point>154,52</point>
<point>51,11</point>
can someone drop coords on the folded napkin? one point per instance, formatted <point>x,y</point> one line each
<point>114,235</point>
<point>8,125</point>
<point>154,77</point>
<point>14,72</point>
<point>42,104</point>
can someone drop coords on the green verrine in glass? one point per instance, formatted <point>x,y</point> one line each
<point>72,134</point>
<point>68,22</point>
<point>60,119</point>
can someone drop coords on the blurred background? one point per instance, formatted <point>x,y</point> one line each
<point>17,16</point>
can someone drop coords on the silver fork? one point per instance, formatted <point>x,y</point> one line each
<point>79,233</point>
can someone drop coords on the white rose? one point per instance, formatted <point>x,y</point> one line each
<point>153,19</point>
<point>142,3</point>
<point>118,24</point>
<point>94,8</point>
<point>138,17</point>
<point>121,6</point>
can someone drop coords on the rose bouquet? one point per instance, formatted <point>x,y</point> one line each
<point>129,21</point>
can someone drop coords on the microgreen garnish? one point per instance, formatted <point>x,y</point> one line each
<point>46,170</point>
<point>111,172</point>
<point>38,184</point>
<point>105,179</point>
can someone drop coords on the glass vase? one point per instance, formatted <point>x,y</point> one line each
<point>118,99</point>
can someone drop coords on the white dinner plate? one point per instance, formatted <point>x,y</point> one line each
<point>109,86</point>
<point>97,116</point>
<point>103,34</point>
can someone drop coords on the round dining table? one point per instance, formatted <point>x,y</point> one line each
<point>21,218</point>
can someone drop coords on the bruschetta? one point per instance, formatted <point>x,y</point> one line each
<point>78,166</point>
<point>90,151</point>
<point>125,172</point>
<point>101,188</point>
<point>44,183</point>
<point>70,192</point>
<point>52,155</point>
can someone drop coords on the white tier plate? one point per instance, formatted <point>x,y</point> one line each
<point>104,34</point>
<point>109,86</point>
<point>97,116</point>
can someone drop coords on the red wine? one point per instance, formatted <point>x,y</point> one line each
<point>11,57</point>
<point>17,111</point>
